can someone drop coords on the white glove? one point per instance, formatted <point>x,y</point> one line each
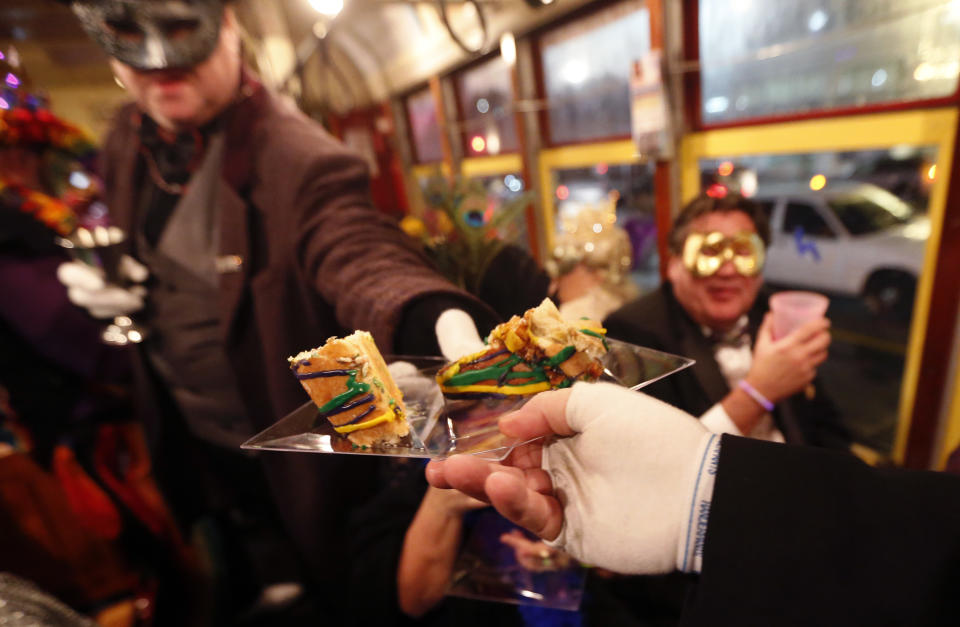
<point>87,288</point>
<point>635,481</point>
<point>457,334</point>
<point>421,394</point>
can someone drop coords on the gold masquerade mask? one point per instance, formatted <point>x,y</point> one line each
<point>705,253</point>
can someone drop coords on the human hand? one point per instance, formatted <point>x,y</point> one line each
<point>617,493</point>
<point>783,367</point>
<point>412,382</point>
<point>416,385</point>
<point>535,556</point>
<point>87,288</point>
<point>457,334</point>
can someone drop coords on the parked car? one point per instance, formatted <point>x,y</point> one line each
<point>850,238</point>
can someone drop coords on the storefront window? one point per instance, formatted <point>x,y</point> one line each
<point>853,226</point>
<point>767,58</point>
<point>629,188</point>
<point>486,103</point>
<point>586,69</point>
<point>424,129</point>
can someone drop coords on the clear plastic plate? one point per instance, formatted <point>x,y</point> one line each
<point>489,570</point>
<point>440,426</point>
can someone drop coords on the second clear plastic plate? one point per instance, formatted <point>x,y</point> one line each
<point>439,426</point>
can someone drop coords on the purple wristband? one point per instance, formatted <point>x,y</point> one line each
<point>762,400</point>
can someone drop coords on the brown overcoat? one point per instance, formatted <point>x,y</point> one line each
<point>303,255</point>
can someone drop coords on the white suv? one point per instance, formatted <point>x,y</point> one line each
<point>849,238</point>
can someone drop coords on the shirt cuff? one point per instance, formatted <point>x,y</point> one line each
<point>717,420</point>
<point>694,526</point>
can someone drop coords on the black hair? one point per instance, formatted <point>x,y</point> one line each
<point>703,205</point>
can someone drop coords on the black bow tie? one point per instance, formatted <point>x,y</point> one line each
<point>737,340</point>
<point>736,337</point>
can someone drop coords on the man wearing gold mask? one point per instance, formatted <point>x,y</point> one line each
<point>744,382</point>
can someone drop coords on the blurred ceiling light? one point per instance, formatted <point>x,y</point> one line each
<point>4,104</point>
<point>936,71</point>
<point>330,8</point>
<point>725,168</point>
<point>818,182</point>
<point>513,183</point>
<point>478,143</point>
<point>818,19</point>
<point>563,192</point>
<point>12,80</point>
<point>879,78</point>
<point>319,30</point>
<point>575,72</point>
<point>483,105</point>
<point>493,143</point>
<point>508,49</point>
<point>717,104</point>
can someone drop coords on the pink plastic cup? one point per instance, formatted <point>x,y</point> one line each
<point>793,309</point>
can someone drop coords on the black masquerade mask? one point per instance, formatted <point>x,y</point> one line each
<point>153,34</point>
<point>705,253</point>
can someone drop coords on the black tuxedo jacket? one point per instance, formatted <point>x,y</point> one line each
<point>799,536</point>
<point>657,320</point>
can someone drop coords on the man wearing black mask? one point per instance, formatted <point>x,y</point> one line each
<point>260,242</point>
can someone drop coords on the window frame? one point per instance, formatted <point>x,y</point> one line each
<point>415,159</point>
<point>693,97</point>
<point>543,118</point>
<point>918,410</point>
<point>461,107</point>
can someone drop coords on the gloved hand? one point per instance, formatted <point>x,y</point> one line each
<point>629,491</point>
<point>420,392</point>
<point>457,334</point>
<point>87,288</point>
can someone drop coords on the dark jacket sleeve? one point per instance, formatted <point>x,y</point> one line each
<point>804,536</point>
<point>360,261</point>
<point>646,322</point>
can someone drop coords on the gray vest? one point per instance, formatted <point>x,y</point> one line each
<point>184,343</point>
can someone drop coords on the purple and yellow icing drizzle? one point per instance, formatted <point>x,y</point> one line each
<point>455,381</point>
<point>346,401</point>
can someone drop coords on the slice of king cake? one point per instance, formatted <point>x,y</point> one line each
<point>352,388</point>
<point>528,354</point>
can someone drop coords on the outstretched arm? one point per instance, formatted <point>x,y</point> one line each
<point>430,549</point>
<point>787,535</point>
